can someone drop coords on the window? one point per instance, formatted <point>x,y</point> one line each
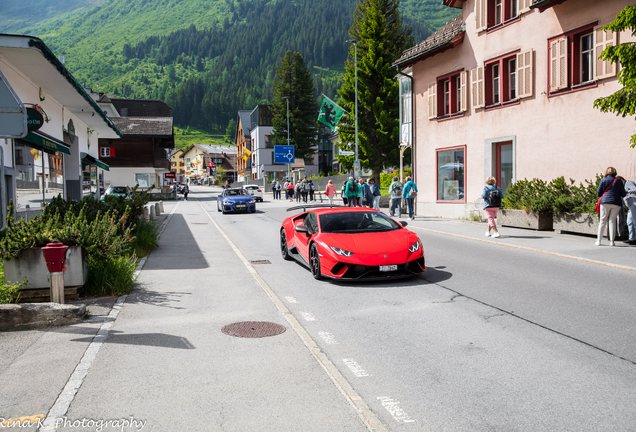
<point>107,152</point>
<point>503,80</point>
<point>269,143</point>
<point>142,180</point>
<point>574,58</point>
<point>454,99</point>
<point>490,14</point>
<point>450,174</point>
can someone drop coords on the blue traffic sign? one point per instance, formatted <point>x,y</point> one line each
<point>284,154</point>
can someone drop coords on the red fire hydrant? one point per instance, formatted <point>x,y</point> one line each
<point>55,257</point>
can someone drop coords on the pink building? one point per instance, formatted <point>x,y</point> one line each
<point>507,89</point>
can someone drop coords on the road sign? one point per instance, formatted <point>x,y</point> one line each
<point>284,154</point>
<point>13,115</point>
<point>347,153</point>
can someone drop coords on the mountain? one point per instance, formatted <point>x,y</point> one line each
<point>206,58</point>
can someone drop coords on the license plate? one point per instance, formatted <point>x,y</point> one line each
<point>241,206</point>
<point>388,267</point>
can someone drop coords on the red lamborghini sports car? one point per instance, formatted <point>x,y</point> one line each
<point>347,243</point>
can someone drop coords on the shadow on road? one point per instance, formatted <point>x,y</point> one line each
<point>147,339</point>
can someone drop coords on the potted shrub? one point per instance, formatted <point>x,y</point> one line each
<point>573,208</point>
<point>527,204</point>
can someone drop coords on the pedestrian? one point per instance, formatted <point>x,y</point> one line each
<point>304,189</point>
<point>630,202</point>
<point>278,190</point>
<point>186,191</point>
<point>343,193</point>
<point>375,193</point>
<point>352,190</point>
<point>611,193</point>
<point>312,189</point>
<point>290,191</point>
<point>330,191</point>
<point>409,192</point>
<point>298,190</point>
<point>366,199</point>
<point>274,189</point>
<point>395,190</point>
<point>285,189</point>
<point>492,196</point>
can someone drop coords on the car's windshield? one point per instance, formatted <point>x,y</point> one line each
<point>117,190</point>
<point>251,187</point>
<point>234,192</point>
<point>356,222</point>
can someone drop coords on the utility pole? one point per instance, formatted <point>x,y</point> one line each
<point>356,162</point>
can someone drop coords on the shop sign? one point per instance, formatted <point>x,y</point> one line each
<point>170,175</point>
<point>35,119</point>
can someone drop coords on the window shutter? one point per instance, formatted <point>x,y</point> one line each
<point>602,40</point>
<point>524,6</point>
<point>112,152</point>
<point>558,64</point>
<point>481,15</point>
<point>525,74</point>
<point>432,101</point>
<point>477,86</point>
<point>463,78</point>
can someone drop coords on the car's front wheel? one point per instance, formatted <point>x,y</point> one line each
<point>217,207</point>
<point>283,246</point>
<point>314,261</point>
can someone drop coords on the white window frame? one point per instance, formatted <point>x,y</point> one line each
<point>590,59</point>
<point>496,78</point>
<point>104,152</point>
<point>140,176</point>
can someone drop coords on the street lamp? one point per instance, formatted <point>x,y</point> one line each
<point>288,164</point>
<point>356,162</point>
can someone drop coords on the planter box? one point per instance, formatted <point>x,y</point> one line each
<point>31,264</point>
<point>583,223</point>
<point>523,219</point>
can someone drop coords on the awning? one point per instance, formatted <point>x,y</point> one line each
<point>46,143</point>
<point>90,160</point>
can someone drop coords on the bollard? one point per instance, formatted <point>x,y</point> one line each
<point>55,257</point>
<point>146,213</point>
<point>152,213</point>
<point>157,209</point>
<point>161,206</point>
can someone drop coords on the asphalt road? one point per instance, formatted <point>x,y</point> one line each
<point>489,339</point>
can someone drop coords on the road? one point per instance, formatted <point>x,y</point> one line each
<point>490,338</point>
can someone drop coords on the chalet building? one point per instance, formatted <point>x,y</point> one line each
<point>507,89</point>
<point>48,154</point>
<point>142,156</point>
<point>202,160</point>
<point>243,146</point>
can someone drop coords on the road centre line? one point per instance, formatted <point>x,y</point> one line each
<point>371,421</point>
<point>75,381</point>
<point>328,338</point>
<point>556,254</point>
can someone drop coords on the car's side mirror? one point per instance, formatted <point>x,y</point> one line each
<point>302,229</point>
<point>404,223</point>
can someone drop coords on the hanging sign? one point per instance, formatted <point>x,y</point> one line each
<point>35,119</point>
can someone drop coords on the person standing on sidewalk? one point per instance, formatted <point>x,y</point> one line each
<point>290,191</point>
<point>630,202</point>
<point>365,197</point>
<point>375,193</point>
<point>343,193</point>
<point>311,187</point>
<point>611,191</point>
<point>395,190</point>
<point>186,191</point>
<point>409,192</point>
<point>492,196</point>
<point>352,190</point>
<point>330,191</point>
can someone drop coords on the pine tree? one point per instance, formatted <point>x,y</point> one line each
<point>293,80</point>
<point>381,36</point>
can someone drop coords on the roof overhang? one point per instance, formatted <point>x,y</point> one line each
<point>438,49</point>
<point>38,63</point>
<point>545,4</point>
<point>454,3</point>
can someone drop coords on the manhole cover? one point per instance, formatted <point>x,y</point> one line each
<point>253,329</point>
<point>260,262</point>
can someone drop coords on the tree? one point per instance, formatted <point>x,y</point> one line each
<point>230,131</point>
<point>293,80</point>
<point>623,102</point>
<point>381,36</point>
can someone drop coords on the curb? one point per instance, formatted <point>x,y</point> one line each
<point>26,316</point>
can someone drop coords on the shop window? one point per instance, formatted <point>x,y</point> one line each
<point>574,61</point>
<point>453,97</point>
<point>503,80</point>
<point>490,14</point>
<point>142,180</point>
<point>451,175</point>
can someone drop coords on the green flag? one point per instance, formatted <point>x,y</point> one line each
<point>330,113</point>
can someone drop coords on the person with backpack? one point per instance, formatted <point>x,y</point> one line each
<point>395,190</point>
<point>366,199</point>
<point>304,190</point>
<point>352,191</point>
<point>343,193</point>
<point>312,189</point>
<point>492,196</point>
<point>375,193</point>
<point>610,192</point>
<point>409,192</point>
<point>186,191</point>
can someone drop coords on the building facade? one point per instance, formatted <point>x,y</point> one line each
<point>507,89</point>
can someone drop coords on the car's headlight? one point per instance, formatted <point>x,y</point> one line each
<point>251,201</point>
<point>415,247</point>
<point>341,252</point>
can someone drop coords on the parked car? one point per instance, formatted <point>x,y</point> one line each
<point>351,243</point>
<point>235,200</point>
<point>122,191</point>
<point>256,191</point>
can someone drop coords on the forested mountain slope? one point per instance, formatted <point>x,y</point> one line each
<point>209,58</point>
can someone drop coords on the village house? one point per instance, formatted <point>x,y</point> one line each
<point>507,89</point>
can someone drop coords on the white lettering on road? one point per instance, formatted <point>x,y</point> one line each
<point>328,338</point>
<point>355,368</point>
<point>393,407</point>
<point>291,300</point>
<point>308,316</point>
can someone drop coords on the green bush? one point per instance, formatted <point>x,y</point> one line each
<point>145,235</point>
<point>111,275</point>
<point>9,293</point>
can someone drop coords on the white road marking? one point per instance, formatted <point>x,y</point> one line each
<point>291,300</point>
<point>355,368</point>
<point>393,407</point>
<point>308,316</point>
<point>328,338</point>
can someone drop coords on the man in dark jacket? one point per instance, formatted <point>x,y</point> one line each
<point>611,191</point>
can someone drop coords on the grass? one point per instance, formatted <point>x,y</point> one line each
<point>111,276</point>
<point>184,138</point>
<point>146,234</point>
